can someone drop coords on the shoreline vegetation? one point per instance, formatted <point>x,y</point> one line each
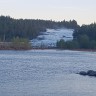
<point>23,46</point>
<point>16,44</point>
<point>11,46</point>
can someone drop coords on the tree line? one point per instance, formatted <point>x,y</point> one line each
<point>29,28</point>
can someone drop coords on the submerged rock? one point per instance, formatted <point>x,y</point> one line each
<point>88,73</point>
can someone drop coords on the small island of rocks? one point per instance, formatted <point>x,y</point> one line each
<point>88,73</point>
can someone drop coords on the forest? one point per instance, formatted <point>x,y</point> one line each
<point>29,28</point>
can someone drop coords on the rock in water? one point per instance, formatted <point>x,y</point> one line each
<point>83,73</point>
<point>91,73</point>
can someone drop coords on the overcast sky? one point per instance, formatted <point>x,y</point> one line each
<point>84,11</point>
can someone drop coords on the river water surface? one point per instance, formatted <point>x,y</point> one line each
<point>46,73</point>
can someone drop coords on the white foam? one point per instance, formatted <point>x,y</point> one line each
<point>51,36</point>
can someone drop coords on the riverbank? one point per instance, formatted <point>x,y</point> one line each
<point>10,46</point>
<point>14,46</point>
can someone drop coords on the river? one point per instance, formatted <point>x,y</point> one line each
<point>46,73</point>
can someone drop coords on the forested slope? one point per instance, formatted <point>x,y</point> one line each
<point>29,28</point>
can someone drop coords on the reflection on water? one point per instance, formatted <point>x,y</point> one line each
<point>46,73</point>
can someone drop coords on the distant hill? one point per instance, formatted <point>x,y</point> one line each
<point>29,28</point>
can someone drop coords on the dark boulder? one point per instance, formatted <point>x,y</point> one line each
<point>88,73</point>
<point>91,73</point>
<point>83,73</point>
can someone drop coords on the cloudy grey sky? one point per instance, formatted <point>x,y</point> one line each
<point>84,11</point>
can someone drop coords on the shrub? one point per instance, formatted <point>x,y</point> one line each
<point>20,43</point>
